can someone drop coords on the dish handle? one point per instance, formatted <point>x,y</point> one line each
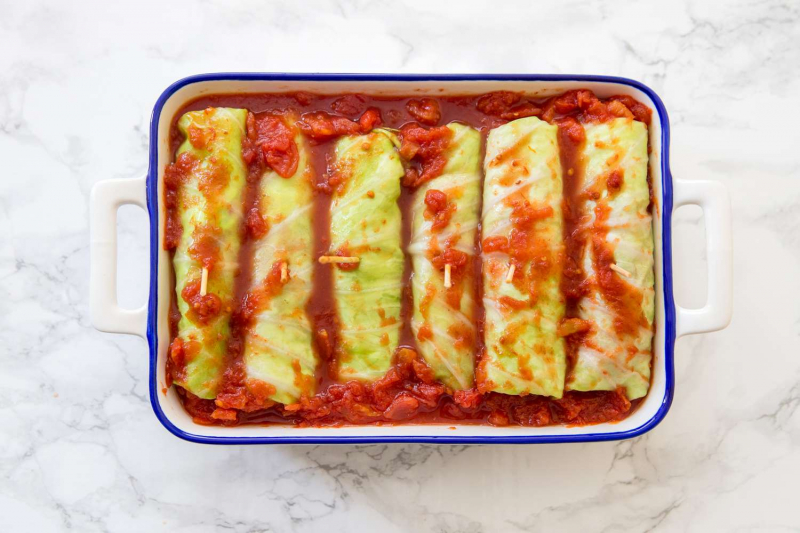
<point>106,314</point>
<point>712,197</point>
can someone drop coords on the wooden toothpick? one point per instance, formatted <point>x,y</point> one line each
<point>620,270</point>
<point>510,275</point>
<point>204,282</point>
<point>325,259</point>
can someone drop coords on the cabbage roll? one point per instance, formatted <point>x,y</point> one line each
<point>445,213</point>
<point>522,260</point>
<point>279,359</point>
<point>618,261</point>
<point>366,224</point>
<point>209,207</point>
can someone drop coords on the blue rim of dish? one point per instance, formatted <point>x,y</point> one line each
<point>669,303</point>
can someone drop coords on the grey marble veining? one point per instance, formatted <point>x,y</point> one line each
<point>80,448</point>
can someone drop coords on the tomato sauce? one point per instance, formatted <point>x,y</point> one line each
<point>408,392</point>
<point>571,138</point>
<point>438,209</point>
<point>174,176</point>
<point>424,148</point>
<point>406,338</point>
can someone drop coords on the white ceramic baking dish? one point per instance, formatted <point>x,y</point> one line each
<point>151,322</point>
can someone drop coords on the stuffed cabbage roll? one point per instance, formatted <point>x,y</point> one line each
<point>618,261</point>
<point>445,214</point>
<point>278,356</point>
<point>210,176</point>
<point>522,260</point>
<point>366,227</point>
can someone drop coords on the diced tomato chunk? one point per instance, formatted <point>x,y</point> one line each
<point>498,102</point>
<point>425,148</point>
<point>450,256</point>
<point>495,243</point>
<point>439,209</point>
<point>403,407</point>
<point>321,126</point>
<point>349,104</point>
<point>256,226</point>
<point>370,120</point>
<point>204,307</point>
<point>277,143</point>
<point>435,200</point>
<point>425,110</point>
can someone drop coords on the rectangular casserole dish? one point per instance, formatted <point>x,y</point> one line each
<point>151,321</point>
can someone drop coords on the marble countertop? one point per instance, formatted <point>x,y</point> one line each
<point>80,448</point>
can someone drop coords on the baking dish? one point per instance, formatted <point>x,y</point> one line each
<point>151,321</point>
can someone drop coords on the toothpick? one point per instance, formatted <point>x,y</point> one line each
<point>510,275</point>
<point>325,259</point>
<point>620,270</point>
<point>447,281</point>
<point>204,282</point>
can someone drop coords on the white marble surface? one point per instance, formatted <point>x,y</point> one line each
<point>80,448</point>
